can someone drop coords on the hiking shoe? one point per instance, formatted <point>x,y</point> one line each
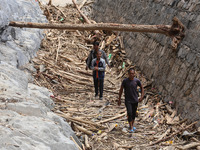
<point>100,98</point>
<point>134,128</point>
<point>131,131</point>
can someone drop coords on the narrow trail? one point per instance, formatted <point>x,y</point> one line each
<point>61,68</point>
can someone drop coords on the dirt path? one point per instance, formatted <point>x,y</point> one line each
<point>61,68</point>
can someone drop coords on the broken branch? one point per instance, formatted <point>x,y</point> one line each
<point>168,137</point>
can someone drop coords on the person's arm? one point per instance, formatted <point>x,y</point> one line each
<point>92,64</point>
<point>104,66</point>
<point>120,95</point>
<point>89,60</point>
<point>142,93</point>
<point>105,57</point>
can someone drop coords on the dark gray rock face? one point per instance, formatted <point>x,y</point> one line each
<point>175,73</point>
<point>26,121</point>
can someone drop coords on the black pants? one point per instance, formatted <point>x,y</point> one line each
<point>98,85</point>
<point>131,110</point>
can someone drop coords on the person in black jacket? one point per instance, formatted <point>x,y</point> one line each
<point>93,54</point>
<point>98,66</point>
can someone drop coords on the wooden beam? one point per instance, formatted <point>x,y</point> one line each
<point>163,29</point>
<point>175,31</point>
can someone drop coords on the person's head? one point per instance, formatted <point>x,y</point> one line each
<point>96,45</point>
<point>98,54</point>
<point>131,73</point>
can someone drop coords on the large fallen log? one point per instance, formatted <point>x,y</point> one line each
<point>176,30</point>
<point>163,29</point>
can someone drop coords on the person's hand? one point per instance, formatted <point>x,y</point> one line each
<point>95,68</point>
<point>119,102</point>
<point>140,99</point>
<point>86,68</point>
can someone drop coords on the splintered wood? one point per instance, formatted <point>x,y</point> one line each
<point>101,124</point>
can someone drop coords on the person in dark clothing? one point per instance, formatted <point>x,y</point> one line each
<point>131,96</point>
<point>98,66</point>
<point>93,54</point>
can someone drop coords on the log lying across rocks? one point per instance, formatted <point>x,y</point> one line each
<point>169,30</point>
<point>176,30</point>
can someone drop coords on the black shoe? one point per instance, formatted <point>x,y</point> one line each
<point>100,98</point>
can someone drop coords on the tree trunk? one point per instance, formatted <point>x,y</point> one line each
<point>176,30</point>
<point>163,29</point>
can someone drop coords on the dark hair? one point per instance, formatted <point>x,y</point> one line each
<point>131,70</point>
<point>96,43</point>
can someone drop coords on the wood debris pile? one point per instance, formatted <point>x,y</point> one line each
<point>101,124</point>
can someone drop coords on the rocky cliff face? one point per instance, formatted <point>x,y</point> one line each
<point>175,73</point>
<point>26,121</point>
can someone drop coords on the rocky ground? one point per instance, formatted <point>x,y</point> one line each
<point>101,124</point>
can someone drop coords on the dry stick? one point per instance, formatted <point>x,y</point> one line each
<point>189,146</point>
<point>69,59</point>
<point>50,2</point>
<point>113,118</point>
<point>74,75</point>
<point>169,109</point>
<point>86,142</point>
<point>121,42</point>
<point>88,3</point>
<point>166,138</point>
<point>84,130</point>
<point>76,143</point>
<point>85,18</point>
<point>60,11</point>
<point>80,120</point>
<point>82,4</point>
<point>102,45</point>
<point>49,63</point>
<point>70,78</point>
<point>83,72</point>
<point>79,123</point>
<point>58,49</point>
<point>126,146</point>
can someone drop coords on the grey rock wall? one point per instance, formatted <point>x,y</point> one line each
<point>175,73</point>
<point>26,121</point>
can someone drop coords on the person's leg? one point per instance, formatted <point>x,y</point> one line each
<point>96,86</point>
<point>129,113</point>
<point>101,88</point>
<point>134,109</point>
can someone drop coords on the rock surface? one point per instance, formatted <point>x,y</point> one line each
<point>26,121</point>
<point>175,73</point>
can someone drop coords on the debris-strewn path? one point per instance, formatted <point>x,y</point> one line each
<point>101,124</point>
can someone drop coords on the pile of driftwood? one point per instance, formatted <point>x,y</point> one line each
<point>101,124</point>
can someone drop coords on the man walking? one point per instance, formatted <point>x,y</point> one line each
<point>98,66</point>
<point>131,96</point>
<point>93,54</point>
